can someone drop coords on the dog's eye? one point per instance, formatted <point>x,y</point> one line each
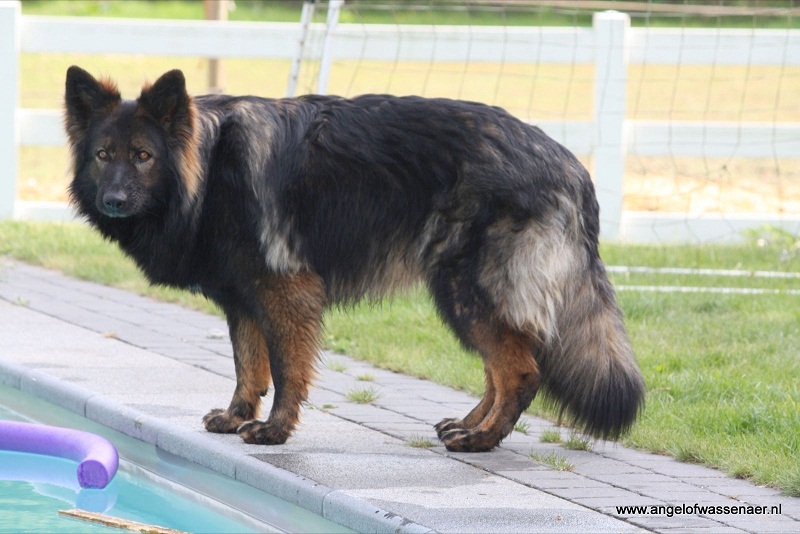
<point>102,155</point>
<point>143,155</point>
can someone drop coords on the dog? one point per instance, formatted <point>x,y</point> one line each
<point>276,209</point>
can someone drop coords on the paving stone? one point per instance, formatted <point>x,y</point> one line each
<point>635,480</point>
<point>660,523</point>
<point>630,500</point>
<point>601,466</point>
<point>619,494</point>
<point>501,459</point>
<point>690,497</point>
<point>717,529</point>
<point>549,479</point>
<point>759,524</point>
<point>539,476</point>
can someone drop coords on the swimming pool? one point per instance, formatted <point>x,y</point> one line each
<point>152,487</point>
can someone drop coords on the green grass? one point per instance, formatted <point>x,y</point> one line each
<point>163,9</point>
<point>419,442</point>
<point>405,335</point>
<point>75,250</point>
<point>553,460</point>
<point>550,436</point>
<point>362,395</point>
<point>576,442</point>
<point>336,365</point>
<point>367,12</point>
<point>522,426</point>
<point>722,370</point>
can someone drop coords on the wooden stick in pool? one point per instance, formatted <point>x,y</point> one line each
<point>118,522</point>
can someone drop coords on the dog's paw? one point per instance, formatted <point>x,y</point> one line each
<point>222,422</point>
<point>463,440</point>
<point>263,433</point>
<point>446,425</point>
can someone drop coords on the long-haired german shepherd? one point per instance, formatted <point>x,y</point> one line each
<point>277,209</point>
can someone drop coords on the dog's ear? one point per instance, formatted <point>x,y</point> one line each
<point>167,100</point>
<point>85,98</point>
<point>170,105</point>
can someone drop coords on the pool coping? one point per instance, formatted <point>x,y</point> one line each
<point>326,502</point>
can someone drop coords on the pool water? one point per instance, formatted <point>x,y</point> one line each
<point>33,506</point>
<point>152,487</point>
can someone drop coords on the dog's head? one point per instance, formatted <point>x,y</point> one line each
<point>130,157</point>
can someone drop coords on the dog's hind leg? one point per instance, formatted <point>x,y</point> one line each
<point>251,358</point>
<point>512,374</point>
<point>515,378</point>
<point>292,306</point>
<point>476,415</point>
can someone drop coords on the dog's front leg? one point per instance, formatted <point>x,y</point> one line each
<point>292,306</point>
<point>251,357</point>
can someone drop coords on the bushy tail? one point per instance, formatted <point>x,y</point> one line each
<point>588,368</point>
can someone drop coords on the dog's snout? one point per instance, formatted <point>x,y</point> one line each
<point>115,201</point>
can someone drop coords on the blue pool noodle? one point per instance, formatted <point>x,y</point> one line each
<point>98,457</point>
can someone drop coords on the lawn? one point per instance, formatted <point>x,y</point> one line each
<point>722,369</point>
<point>399,12</point>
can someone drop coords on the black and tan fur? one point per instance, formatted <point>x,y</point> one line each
<point>277,209</point>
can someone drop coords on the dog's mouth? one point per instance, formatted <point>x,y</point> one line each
<point>115,214</point>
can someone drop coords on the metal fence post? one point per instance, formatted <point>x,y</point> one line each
<point>10,12</point>
<point>610,93</point>
<point>306,16</point>
<point>327,45</point>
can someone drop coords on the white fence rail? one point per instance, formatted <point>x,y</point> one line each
<point>611,44</point>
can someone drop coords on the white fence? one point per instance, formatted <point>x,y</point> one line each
<point>611,44</point>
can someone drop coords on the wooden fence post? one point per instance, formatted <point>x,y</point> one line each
<point>610,93</point>
<point>216,10</point>
<point>10,12</point>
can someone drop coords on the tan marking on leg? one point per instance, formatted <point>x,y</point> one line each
<point>251,358</point>
<point>292,307</point>
<point>475,416</point>
<point>480,411</point>
<point>515,378</point>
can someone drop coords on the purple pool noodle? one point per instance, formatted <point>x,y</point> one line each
<point>97,456</point>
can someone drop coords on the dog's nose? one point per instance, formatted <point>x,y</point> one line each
<point>114,201</point>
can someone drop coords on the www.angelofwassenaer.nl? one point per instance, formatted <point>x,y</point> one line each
<point>698,509</point>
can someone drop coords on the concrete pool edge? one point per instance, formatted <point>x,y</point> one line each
<point>331,504</point>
